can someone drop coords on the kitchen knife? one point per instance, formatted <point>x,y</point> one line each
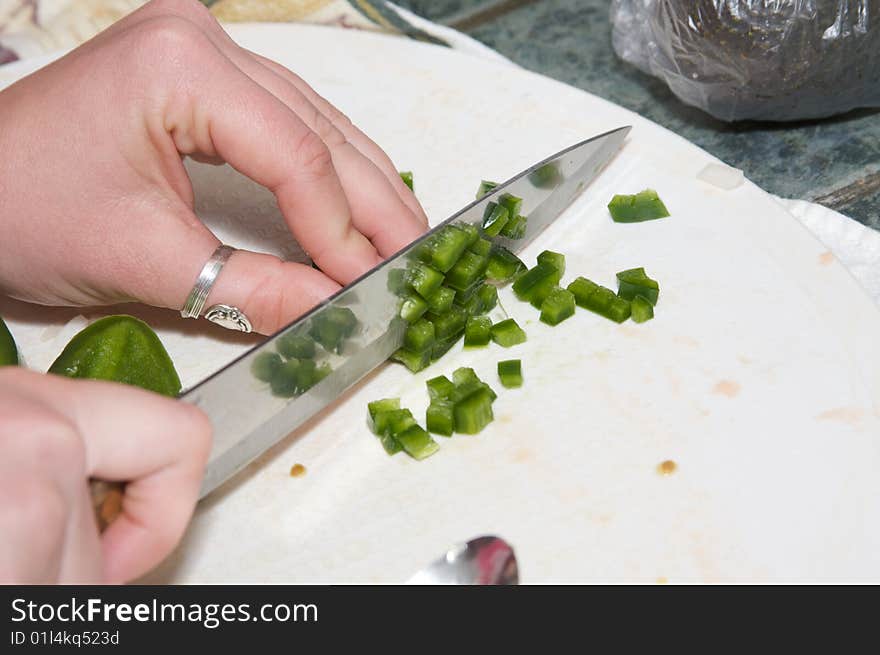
<point>359,326</point>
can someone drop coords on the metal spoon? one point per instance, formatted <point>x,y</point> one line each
<point>482,561</point>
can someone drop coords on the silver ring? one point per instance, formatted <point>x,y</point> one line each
<point>224,315</point>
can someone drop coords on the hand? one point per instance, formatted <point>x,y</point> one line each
<point>96,206</point>
<point>55,435</point>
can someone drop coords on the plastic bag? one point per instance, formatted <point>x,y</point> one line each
<point>772,60</point>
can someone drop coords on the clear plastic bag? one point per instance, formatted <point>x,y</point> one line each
<point>774,60</point>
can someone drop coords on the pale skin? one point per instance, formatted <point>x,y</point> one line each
<point>101,134</point>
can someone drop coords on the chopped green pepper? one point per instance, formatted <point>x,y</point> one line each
<point>511,203</point>
<point>494,219</point>
<point>642,309</point>
<point>557,306</point>
<point>392,421</point>
<point>468,270</point>
<point>474,412</point>
<point>582,288</point>
<point>508,333</point>
<point>464,375</point>
<point>448,324</point>
<point>414,361</point>
<point>119,349</point>
<point>553,259</point>
<point>485,187</point>
<point>546,176</point>
<point>443,346</point>
<point>419,336</point>
<point>390,444</point>
<point>635,282</point>
<point>472,232</point>
<point>516,227</point>
<point>488,296</point>
<point>407,178</point>
<point>534,285</point>
<point>332,326</point>
<point>441,300</point>
<point>510,373</point>
<point>439,387</point>
<point>295,345</point>
<point>417,443</point>
<point>424,279</point>
<point>284,382</point>
<point>604,302</point>
<point>481,247</point>
<point>477,332</point>
<point>266,365</point>
<point>412,307</point>
<point>503,265</point>
<point>8,349</point>
<point>445,247</point>
<point>440,418</point>
<point>643,206</point>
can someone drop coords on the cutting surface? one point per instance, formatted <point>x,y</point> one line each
<point>759,377</point>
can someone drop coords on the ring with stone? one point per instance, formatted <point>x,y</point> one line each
<point>226,316</point>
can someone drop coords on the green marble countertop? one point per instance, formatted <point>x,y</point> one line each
<point>835,162</point>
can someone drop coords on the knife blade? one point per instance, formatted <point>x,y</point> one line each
<point>249,417</point>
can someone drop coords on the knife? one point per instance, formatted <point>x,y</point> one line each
<point>248,417</point>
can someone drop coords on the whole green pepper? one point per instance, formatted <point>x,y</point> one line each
<point>120,349</point>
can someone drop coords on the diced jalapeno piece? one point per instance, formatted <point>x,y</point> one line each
<point>439,417</point>
<point>417,443</point>
<point>554,259</point>
<point>414,361</point>
<point>642,309</point>
<point>477,332</point>
<point>419,336</point>
<point>407,178</point>
<point>448,324</point>
<point>485,187</point>
<point>300,346</point>
<point>266,365</point>
<point>439,387</point>
<point>332,326</point>
<point>472,232</point>
<point>390,444</point>
<point>516,227</point>
<point>462,296</point>
<point>503,265</point>
<point>469,269</point>
<point>619,310</point>
<point>385,421</point>
<point>447,246</point>
<point>481,247</point>
<point>534,285</point>
<point>635,282</point>
<point>643,206</point>
<point>510,373</point>
<point>495,217</point>
<point>443,346</point>
<point>424,279</point>
<point>557,306</point>
<point>464,375</point>
<point>284,382</point>
<point>604,302</point>
<point>582,288</point>
<point>441,300</point>
<point>508,333</point>
<point>488,296</point>
<point>412,307</point>
<point>474,412</point>
<point>305,375</point>
<point>511,203</point>
<point>383,405</point>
